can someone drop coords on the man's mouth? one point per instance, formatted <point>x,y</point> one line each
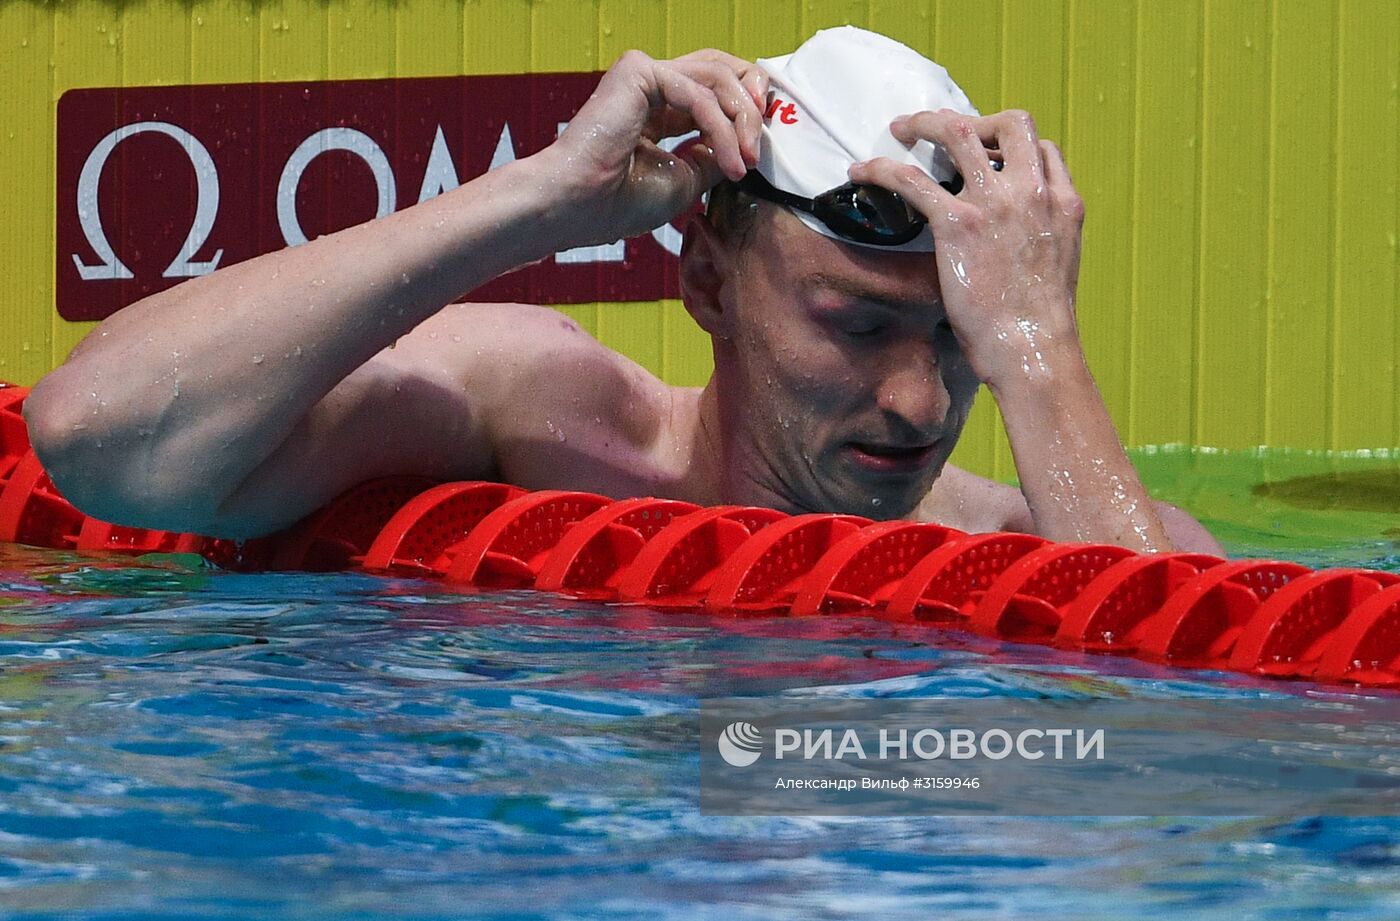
<point>889,458</point>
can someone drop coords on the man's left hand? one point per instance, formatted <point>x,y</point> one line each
<point>1007,245</point>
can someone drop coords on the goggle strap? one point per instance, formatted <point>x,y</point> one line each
<point>755,183</point>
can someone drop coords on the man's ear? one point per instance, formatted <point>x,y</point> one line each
<point>708,263</point>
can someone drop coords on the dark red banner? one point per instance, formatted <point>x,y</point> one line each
<point>159,184</point>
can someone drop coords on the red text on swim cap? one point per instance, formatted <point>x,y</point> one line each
<point>786,111</point>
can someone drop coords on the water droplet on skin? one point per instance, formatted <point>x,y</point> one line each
<point>258,359</point>
<point>960,272</point>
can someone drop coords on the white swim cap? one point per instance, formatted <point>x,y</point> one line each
<point>830,105</point>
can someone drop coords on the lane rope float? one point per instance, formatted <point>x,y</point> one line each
<point>1266,618</point>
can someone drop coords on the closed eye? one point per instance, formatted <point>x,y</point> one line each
<point>861,324</point>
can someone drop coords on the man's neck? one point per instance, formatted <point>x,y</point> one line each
<point>738,473</point>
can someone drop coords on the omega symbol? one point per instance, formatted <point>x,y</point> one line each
<point>109,267</point>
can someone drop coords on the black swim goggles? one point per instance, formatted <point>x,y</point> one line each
<point>861,213</point>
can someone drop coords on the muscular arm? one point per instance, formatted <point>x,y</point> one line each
<point>1008,263</point>
<point>1183,530</point>
<point>237,402</point>
<point>978,505</point>
<point>174,403</point>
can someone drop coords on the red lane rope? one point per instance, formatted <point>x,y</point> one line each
<point>1257,617</point>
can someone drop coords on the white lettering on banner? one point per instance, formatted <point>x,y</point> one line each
<point>206,208</point>
<point>505,149</point>
<point>349,140</point>
<point>441,174</point>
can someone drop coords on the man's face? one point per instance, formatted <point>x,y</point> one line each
<point>852,385</point>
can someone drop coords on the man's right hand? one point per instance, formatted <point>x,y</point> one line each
<point>610,156</point>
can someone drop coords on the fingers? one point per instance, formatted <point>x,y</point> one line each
<point>751,76</point>
<point>1056,172</point>
<point>705,171</point>
<point>958,135</point>
<point>915,186</point>
<point>975,142</point>
<point>716,93</point>
<point>735,98</point>
<point>700,102</point>
<point>1016,138</point>
<point>1061,186</point>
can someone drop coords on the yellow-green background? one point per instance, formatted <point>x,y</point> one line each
<point>1239,161</point>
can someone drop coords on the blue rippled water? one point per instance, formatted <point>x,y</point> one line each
<point>181,742</point>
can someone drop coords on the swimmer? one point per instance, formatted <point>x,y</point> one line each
<point>851,327</point>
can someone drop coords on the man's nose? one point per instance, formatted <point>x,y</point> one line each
<point>912,392</point>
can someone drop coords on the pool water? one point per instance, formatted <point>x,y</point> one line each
<point>181,742</point>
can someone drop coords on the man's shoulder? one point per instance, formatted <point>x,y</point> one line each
<point>544,390</point>
<point>503,331</point>
<point>512,345</point>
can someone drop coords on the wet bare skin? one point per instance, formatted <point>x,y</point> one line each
<point>238,402</point>
<point>819,347</point>
<point>838,383</point>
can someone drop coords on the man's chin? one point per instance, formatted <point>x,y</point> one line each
<point>883,498</point>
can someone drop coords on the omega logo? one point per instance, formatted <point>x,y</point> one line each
<point>206,207</point>
<point>439,176</point>
<point>156,185</point>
